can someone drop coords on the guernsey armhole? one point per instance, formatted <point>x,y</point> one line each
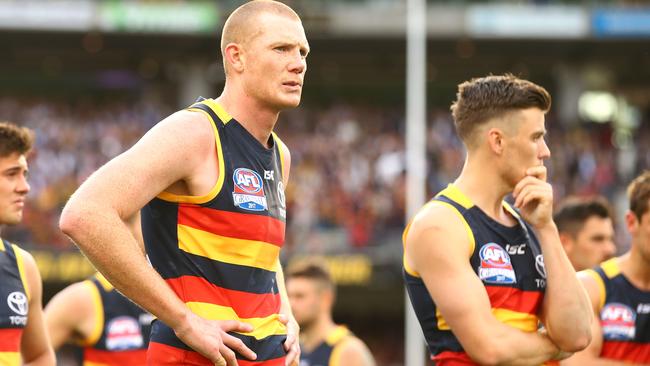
<point>171,197</point>
<point>20,262</point>
<point>98,309</point>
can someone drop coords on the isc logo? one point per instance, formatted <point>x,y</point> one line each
<point>247,180</point>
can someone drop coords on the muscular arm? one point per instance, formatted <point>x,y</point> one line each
<point>96,219</point>
<point>438,248</point>
<point>566,311</point>
<point>591,354</point>
<point>70,315</point>
<point>353,353</point>
<point>35,346</point>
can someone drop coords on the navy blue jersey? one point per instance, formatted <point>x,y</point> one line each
<point>326,353</point>
<point>624,315</point>
<point>14,303</point>
<point>509,262</point>
<point>121,332</point>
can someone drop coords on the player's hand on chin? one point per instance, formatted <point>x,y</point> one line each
<point>534,197</point>
<point>210,338</point>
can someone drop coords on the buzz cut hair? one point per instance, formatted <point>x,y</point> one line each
<point>240,25</point>
<point>573,212</point>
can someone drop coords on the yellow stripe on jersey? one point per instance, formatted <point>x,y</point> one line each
<point>262,327</point>
<point>2,245</point>
<point>242,252</point>
<point>281,147</point>
<point>98,307</point>
<point>601,286</point>
<point>336,335</point>
<point>610,267</point>
<point>88,363</point>
<point>104,282</point>
<point>522,321</point>
<point>224,116</point>
<point>214,191</point>
<point>21,269</point>
<point>456,195</point>
<point>9,358</point>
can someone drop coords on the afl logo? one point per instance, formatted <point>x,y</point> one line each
<point>123,333</point>
<point>493,255</point>
<point>495,265</point>
<point>17,302</point>
<point>248,181</point>
<point>618,321</point>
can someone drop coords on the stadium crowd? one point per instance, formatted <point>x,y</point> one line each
<point>348,163</point>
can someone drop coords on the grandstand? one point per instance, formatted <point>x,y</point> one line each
<point>91,77</point>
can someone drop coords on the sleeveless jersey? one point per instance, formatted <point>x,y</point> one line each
<point>508,261</point>
<point>219,252</point>
<point>14,305</point>
<point>326,353</point>
<point>624,315</point>
<point>121,332</point>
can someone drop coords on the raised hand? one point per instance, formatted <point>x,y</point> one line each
<point>534,197</point>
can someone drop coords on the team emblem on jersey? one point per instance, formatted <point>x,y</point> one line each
<point>618,322</point>
<point>123,333</point>
<point>249,190</point>
<point>495,265</point>
<point>17,302</point>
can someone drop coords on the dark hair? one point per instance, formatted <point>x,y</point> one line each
<point>312,269</point>
<point>573,212</point>
<point>638,193</point>
<point>481,99</point>
<point>15,139</point>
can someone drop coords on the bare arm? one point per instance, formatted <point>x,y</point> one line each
<point>35,346</point>
<point>70,315</point>
<point>96,218</point>
<point>353,353</point>
<point>437,235</point>
<point>566,311</point>
<point>591,354</point>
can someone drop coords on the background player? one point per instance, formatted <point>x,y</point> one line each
<point>23,337</point>
<point>312,294</point>
<point>109,328</point>
<point>586,231</point>
<point>619,290</point>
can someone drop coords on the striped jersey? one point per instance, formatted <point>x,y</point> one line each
<point>624,315</point>
<point>14,304</point>
<point>508,261</point>
<point>219,252</point>
<point>121,332</point>
<point>326,354</point>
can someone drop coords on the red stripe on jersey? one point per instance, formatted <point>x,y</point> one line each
<point>626,351</point>
<point>162,354</point>
<point>245,304</point>
<point>232,224</point>
<point>117,358</point>
<point>514,299</point>
<point>449,358</point>
<point>10,339</point>
<point>274,362</point>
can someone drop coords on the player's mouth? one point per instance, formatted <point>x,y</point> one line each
<point>292,85</point>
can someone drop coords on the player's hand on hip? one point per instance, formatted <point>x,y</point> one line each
<point>210,339</point>
<point>534,197</point>
<point>291,345</point>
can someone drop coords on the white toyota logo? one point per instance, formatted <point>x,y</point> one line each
<point>17,302</point>
<point>281,194</point>
<point>539,265</point>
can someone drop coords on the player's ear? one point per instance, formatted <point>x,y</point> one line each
<point>234,57</point>
<point>496,140</point>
